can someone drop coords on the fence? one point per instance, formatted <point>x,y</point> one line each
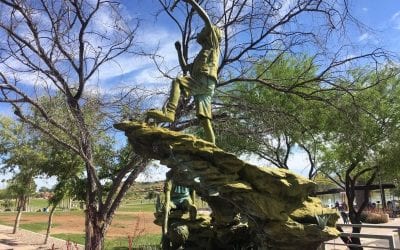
<point>389,238</point>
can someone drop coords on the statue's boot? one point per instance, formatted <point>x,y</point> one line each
<point>167,114</point>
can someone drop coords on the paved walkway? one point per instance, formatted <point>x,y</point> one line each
<point>370,242</point>
<point>27,240</point>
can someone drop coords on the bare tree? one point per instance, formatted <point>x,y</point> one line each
<point>263,29</point>
<point>53,48</point>
<point>266,31</point>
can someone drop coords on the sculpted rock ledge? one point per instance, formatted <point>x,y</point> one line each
<point>267,207</point>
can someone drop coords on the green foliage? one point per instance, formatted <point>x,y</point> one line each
<point>114,243</point>
<point>6,204</point>
<point>36,227</point>
<point>44,189</point>
<point>20,154</point>
<point>129,207</point>
<point>266,121</point>
<point>151,195</point>
<point>374,218</point>
<point>123,243</point>
<point>38,203</point>
<point>362,128</point>
<point>322,220</point>
<point>75,238</point>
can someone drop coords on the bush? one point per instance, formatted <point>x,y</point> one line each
<point>7,204</point>
<point>374,218</point>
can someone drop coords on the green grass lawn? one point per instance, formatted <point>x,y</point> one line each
<point>134,207</point>
<point>36,227</point>
<point>38,203</point>
<point>114,243</point>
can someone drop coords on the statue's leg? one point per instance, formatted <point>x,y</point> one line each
<point>168,113</point>
<point>208,129</point>
<point>202,97</point>
<point>189,206</point>
<point>192,211</point>
<point>167,203</point>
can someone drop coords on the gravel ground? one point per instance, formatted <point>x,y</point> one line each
<point>27,240</point>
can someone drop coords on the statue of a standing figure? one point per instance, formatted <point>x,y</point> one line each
<point>202,79</point>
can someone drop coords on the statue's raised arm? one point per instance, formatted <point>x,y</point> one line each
<point>203,77</point>
<point>203,14</point>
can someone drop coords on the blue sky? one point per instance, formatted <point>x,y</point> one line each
<point>384,18</point>
<point>381,18</point>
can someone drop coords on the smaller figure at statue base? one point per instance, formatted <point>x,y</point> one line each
<point>181,200</point>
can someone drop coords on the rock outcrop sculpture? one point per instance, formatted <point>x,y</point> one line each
<point>259,207</point>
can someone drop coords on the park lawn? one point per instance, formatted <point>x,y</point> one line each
<point>37,226</point>
<point>115,242</point>
<point>38,203</point>
<point>37,221</point>
<point>132,218</point>
<point>137,207</point>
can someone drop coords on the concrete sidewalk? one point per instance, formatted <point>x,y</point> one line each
<point>27,240</point>
<point>370,242</point>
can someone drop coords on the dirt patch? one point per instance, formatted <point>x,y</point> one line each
<point>124,223</point>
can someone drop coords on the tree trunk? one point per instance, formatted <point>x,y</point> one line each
<point>355,218</point>
<point>49,223</point>
<point>94,233</point>
<point>18,218</point>
<point>26,204</point>
<point>361,196</point>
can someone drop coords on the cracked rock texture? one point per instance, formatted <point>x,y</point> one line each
<point>263,207</point>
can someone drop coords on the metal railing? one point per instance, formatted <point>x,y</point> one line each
<point>389,238</point>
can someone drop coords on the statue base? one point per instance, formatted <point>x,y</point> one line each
<point>253,207</point>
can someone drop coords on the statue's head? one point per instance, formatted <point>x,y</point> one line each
<point>202,36</point>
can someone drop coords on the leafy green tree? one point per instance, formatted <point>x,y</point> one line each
<point>21,187</point>
<point>68,167</point>
<point>63,188</point>
<point>268,31</point>
<point>348,137</point>
<point>44,189</point>
<point>20,154</point>
<point>65,48</point>
<point>62,51</point>
<point>358,137</point>
<point>267,123</point>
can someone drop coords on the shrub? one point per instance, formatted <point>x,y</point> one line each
<point>374,218</point>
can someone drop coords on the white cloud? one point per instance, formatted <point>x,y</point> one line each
<point>287,6</point>
<point>365,9</point>
<point>395,20</point>
<point>395,16</point>
<point>143,66</point>
<point>364,37</point>
<point>154,172</point>
<point>150,75</point>
<point>297,162</point>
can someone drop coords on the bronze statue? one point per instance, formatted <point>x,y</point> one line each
<point>202,79</point>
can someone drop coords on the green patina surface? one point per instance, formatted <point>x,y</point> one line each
<point>274,205</point>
